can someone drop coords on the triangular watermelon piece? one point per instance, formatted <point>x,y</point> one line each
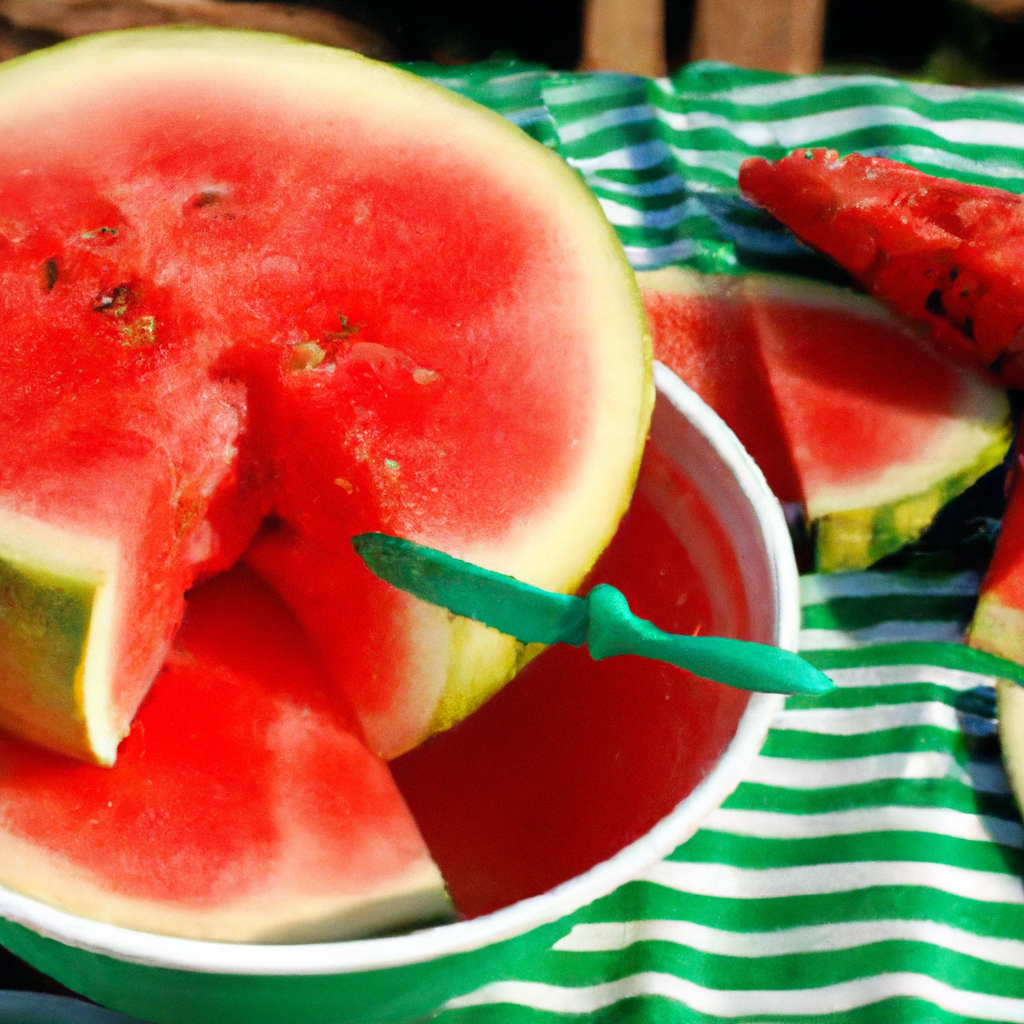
<point>944,253</point>
<point>846,410</point>
<point>244,805</point>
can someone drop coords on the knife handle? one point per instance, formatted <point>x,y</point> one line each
<point>614,629</point>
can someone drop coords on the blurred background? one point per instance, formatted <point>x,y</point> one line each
<point>952,41</point>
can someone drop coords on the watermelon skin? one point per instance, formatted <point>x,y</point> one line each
<point>263,300</point>
<point>846,411</point>
<point>263,818</point>
<point>946,254</point>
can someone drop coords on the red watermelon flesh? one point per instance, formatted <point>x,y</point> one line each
<point>944,253</point>
<point>845,410</point>
<point>244,804</point>
<point>576,758</point>
<point>238,287</point>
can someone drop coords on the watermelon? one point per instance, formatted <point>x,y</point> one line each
<point>264,818</point>
<point>259,296</point>
<point>847,412</point>
<point>946,254</point>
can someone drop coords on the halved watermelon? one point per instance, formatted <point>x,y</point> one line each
<point>847,412</point>
<point>944,253</point>
<point>253,281</point>
<point>244,805</point>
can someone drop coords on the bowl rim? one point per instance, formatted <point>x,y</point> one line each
<point>435,943</point>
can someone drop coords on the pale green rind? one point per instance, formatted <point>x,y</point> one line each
<point>44,630</point>
<point>847,541</point>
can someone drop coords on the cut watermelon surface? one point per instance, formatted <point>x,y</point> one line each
<point>244,805</point>
<point>946,254</point>
<point>259,296</point>
<point>846,411</point>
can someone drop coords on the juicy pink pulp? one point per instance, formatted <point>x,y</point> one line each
<point>167,295</point>
<point>240,751</point>
<point>799,383</point>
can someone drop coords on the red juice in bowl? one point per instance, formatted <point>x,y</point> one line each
<point>576,758</point>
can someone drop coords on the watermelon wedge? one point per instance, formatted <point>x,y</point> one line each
<point>945,254</point>
<point>264,818</point>
<point>846,411</point>
<point>259,296</point>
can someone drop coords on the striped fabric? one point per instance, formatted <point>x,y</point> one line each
<point>868,869</point>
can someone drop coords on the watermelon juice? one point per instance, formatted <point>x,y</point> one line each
<point>576,758</point>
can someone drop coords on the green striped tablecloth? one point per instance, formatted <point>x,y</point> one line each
<point>868,869</point>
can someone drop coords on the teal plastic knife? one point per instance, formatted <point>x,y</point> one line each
<point>601,620</point>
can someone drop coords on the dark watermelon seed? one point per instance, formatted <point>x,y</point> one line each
<point>968,328</point>
<point>954,273</point>
<point>50,274</point>
<point>934,303</point>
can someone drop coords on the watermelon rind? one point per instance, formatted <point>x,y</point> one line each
<point>454,665</point>
<point>57,602</point>
<point>859,521</point>
<point>1010,711</point>
<point>852,540</point>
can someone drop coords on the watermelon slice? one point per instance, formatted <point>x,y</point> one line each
<point>261,295</point>
<point>847,412</point>
<point>946,254</point>
<point>264,818</point>
<point>998,623</point>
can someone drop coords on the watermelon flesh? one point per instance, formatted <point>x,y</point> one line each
<point>946,254</point>
<point>846,411</point>
<point>262,818</point>
<point>252,312</point>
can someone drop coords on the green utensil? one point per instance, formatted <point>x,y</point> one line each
<point>601,620</point>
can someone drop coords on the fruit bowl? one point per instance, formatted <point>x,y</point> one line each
<point>719,508</point>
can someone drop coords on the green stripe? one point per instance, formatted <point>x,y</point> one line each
<point>857,612</point>
<point>711,847</point>
<point>820,746</point>
<point>639,901</point>
<point>974,702</point>
<point>954,656</point>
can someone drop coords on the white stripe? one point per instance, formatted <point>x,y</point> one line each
<point>527,115</point>
<point>846,995</point>
<point>615,935</point>
<point>629,158</point>
<point>670,184</point>
<point>723,161</point>
<point>668,217</point>
<point>727,882</point>
<point>798,773</point>
<point>856,721</point>
<point>890,675</point>
<point>818,589</point>
<point>811,128</point>
<point>942,158</point>
<point>622,215</point>
<point>580,129</point>
<point>593,87</point>
<point>942,821</point>
<point>897,631</point>
<point>645,257</point>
